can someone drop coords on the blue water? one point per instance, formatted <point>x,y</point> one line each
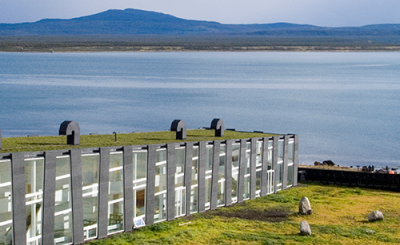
<point>344,106</point>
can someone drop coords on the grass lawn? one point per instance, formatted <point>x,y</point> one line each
<point>340,216</point>
<point>45,143</point>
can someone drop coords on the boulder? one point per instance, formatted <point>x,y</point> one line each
<point>305,228</point>
<point>375,216</point>
<point>305,206</point>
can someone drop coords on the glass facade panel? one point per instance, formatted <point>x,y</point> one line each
<point>259,159</point>
<point>259,150</point>
<point>291,151</point>
<point>290,175</point>
<point>208,193</point>
<point>248,149</point>
<point>5,203</point>
<point>235,170</point>
<point>180,189</point>
<point>209,163</point>
<point>258,183</point>
<point>221,175</point>
<point>116,194</point>
<point>179,166</point>
<point>90,189</point>
<point>280,150</point>
<point>63,205</point>
<point>34,198</point>
<point>270,148</point>
<point>161,155</point>
<point>139,183</point>
<point>161,178</point>
<point>246,192</point>
<point>193,191</point>
<point>160,205</point>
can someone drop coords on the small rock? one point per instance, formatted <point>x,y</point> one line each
<point>375,216</point>
<point>305,228</point>
<point>305,206</point>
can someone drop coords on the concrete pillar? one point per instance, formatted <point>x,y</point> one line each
<point>128,188</point>
<point>242,166</point>
<point>170,181</point>
<point>285,162</point>
<point>275,160</point>
<point>264,174</point>
<point>18,198</point>
<point>188,174</point>
<point>49,187</point>
<point>215,175</point>
<point>102,211</point>
<point>150,184</point>
<point>228,173</point>
<point>253,177</point>
<point>202,177</point>
<point>76,196</point>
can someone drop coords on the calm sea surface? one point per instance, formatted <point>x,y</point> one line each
<point>344,106</point>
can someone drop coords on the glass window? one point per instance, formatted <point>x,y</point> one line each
<point>5,203</point>
<point>209,163</point>
<point>63,205</point>
<point>258,182</point>
<point>160,205</point>
<point>179,166</point>
<point>194,186</point>
<point>139,183</point>
<point>290,175</point>
<point>259,152</point>
<point>116,193</point>
<point>280,150</point>
<point>291,151</point>
<point>235,170</point>
<point>270,149</point>
<point>221,175</point>
<point>259,156</point>
<point>278,176</point>
<point>90,185</point>
<point>34,199</point>
<point>180,189</point>
<point>246,191</point>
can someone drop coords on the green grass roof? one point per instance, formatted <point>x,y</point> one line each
<point>46,143</point>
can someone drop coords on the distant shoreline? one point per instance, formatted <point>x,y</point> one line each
<point>112,48</point>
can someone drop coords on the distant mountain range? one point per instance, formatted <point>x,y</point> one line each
<point>132,22</point>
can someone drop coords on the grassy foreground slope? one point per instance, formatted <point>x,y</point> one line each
<point>340,216</point>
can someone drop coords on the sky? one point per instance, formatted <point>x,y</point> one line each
<point>329,13</point>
